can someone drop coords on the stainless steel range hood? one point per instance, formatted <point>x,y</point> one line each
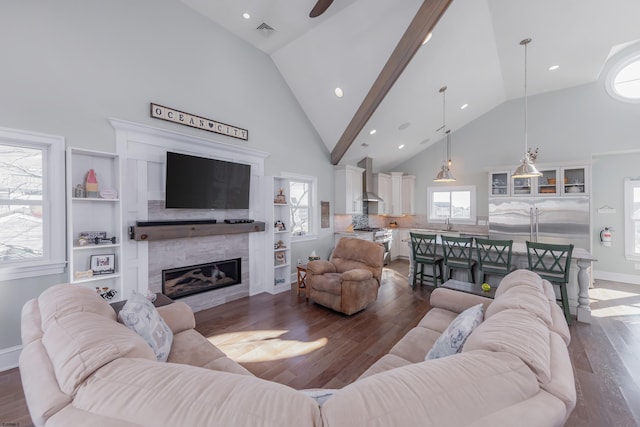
<point>367,194</point>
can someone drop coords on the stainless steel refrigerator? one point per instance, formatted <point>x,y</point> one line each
<point>557,220</point>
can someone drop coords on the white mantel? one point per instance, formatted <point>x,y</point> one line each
<point>142,150</point>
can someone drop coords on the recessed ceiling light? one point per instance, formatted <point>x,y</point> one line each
<point>554,67</point>
<point>400,147</point>
<point>426,39</point>
<point>338,92</point>
<point>404,125</point>
<point>463,106</point>
<point>372,131</point>
<point>246,15</point>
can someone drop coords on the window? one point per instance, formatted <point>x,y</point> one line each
<point>303,200</point>
<point>31,204</point>
<point>623,81</point>
<point>632,218</point>
<point>456,203</point>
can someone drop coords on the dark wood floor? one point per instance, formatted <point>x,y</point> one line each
<point>285,339</point>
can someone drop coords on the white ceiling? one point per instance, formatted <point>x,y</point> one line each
<point>474,51</point>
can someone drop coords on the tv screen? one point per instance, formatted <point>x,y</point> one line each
<point>201,183</point>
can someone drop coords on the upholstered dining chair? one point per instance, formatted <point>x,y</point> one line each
<point>494,257</point>
<point>349,281</point>
<point>424,250</point>
<point>458,254</point>
<point>552,262</point>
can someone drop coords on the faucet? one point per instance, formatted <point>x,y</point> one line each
<point>447,222</point>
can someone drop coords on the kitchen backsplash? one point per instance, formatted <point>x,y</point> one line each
<point>342,222</point>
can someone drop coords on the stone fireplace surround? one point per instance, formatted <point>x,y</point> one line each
<point>142,150</point>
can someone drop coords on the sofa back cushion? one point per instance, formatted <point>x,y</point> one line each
<point>527,298</point>
<point>432,393</point>
<point>61,300</point>
<point>80,343</point>
<point>351,253</point>
<point>519,333</point>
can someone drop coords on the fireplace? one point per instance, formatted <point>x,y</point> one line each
<point>182,281</point>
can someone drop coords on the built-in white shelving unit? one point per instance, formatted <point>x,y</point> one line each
<point>86,216</point>
<point>279,226</point>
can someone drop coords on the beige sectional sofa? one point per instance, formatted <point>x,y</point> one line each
<point>79,366</point>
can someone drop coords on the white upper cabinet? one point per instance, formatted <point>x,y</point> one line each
<point>408,194</point>
<point>348,190</point>
<point>382,187</point>
<point>555,181</point>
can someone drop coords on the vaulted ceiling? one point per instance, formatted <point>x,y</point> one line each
<point>474,51</point>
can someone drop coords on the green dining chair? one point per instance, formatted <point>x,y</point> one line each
<point>494,257</point>
<point>424,251</point>
<point>552,262</point>
<point>458,254</point>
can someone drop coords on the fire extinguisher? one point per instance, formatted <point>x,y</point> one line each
<point>606,236</point>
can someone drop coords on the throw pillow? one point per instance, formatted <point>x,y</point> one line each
<point>452,339</point>
<point>139,315</point>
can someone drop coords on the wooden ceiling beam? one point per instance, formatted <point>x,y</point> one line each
<point>422,24</point>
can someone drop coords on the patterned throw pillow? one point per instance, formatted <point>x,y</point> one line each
<point>452,339</point>
<point>139,315</point>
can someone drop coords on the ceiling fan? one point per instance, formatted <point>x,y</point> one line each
<point>320,7</point>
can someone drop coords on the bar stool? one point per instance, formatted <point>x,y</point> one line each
<point>494,257</point>
<point>424,248</point>
<point>458,253</point>
<point>547,260</point>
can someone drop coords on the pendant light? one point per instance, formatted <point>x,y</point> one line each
<point>526,169</point>
<point>445,174</point>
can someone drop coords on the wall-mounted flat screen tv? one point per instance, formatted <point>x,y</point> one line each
<point>202,183</point>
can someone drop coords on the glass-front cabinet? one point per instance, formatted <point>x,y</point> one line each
<point>547,184</point>
<point>575,180</point>
<point>499,184</point>
<point>554,181</point>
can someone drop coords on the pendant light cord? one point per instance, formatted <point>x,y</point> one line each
<point>443,89</point>
<point>525,42</point>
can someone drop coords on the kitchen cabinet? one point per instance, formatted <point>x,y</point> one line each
<point>348,190</point>
<point>555,181</point>
<point>408,194</point>
<point>400,244</point>
<point>382,187</point>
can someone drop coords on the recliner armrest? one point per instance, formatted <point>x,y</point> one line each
<point>178,316</point>
<point>357,275</point>
<point>320,267</point>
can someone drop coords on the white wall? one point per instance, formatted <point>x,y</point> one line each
<point>67,66</point>
<point>569,126</point>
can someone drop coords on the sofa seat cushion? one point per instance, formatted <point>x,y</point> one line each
<point>154,394</point>
<point>437,319</point>
<point>329,283</point>
<point>415,344</point>
<point>452,391</point>
<point>452,339</point>
<point>191,348</point>
<point>385,363</point>
<point>80,343</point>
<point>519,333</point>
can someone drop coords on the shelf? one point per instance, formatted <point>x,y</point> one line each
<point>281,265</point>
<point>97,278</point>
<point>281,232</point>
<point>163,232</point>
<point>281,249</point>
<point>90,247</point>
<point>281,204</point>
<point>93,199</point>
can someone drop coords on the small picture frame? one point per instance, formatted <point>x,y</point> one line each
<point>281,258</point>
<point>103,264</point>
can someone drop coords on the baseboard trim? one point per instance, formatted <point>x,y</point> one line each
<point>617,277</point>
<point>9,357</point>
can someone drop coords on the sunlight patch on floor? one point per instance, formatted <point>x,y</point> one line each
<point>263,345</point>
<point>610,303</point>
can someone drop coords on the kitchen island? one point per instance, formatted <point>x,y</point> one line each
<point>579,275</point>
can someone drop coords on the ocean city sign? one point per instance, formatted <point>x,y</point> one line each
<point>176,116</point>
